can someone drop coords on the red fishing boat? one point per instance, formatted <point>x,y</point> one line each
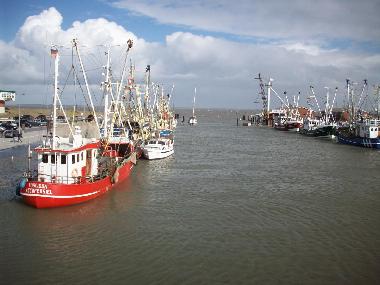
<point>67,176</point>
<point>73,169</point>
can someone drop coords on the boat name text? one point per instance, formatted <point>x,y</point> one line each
<point>38,188</point>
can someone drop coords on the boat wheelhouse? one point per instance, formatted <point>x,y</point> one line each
<point>158,148</point>
<point>68,162</point>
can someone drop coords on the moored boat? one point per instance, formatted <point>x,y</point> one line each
<point>72,168</point>
<point>293,124</point>
<point>365,133</point>
<point>158,148</point>
<point>66,174</point>
<point>193,119</point>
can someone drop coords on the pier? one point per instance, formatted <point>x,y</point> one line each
<point>30,136</point>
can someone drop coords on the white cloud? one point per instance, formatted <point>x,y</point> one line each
<point>223,71</point>
<point>295,19</point>
<point>312,50</point>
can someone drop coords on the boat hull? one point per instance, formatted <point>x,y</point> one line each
<point>153,154</point>
<point>51,195</point>
<point>326,131</point>
<point>293,126</point>
<point>358,141</point>
<point>281,128</point>
<point>193,121</point>
<point>123,171</point>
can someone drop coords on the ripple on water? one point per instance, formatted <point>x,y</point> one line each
<point>232,205</point>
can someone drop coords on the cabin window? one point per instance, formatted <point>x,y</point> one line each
<point>95,153</point>
<point>73,159</point>
<point>45,158</point>
<point>63,158</point>
<point>81,156</point>
<point>53,158</point>
<point>78,157</point>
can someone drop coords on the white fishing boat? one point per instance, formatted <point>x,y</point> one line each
<point>193,119</point>
<point>158,148</point>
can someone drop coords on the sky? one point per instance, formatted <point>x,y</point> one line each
<point>217,46</point>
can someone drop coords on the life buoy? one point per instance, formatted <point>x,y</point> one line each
<point>74,173</point>
<point>21,185</point>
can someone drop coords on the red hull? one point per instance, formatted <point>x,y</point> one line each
<point>122,172</point>
<point>281,128</point>
<point>50,195</point>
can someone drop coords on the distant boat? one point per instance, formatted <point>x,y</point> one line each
<point>193,119</point>
<point>157,149</point>
<point>318,128</point>
<point>324,126</point>
<point>363,132</point>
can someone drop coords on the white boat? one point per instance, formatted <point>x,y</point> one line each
<point>158,148</point>
<point>193,119</point>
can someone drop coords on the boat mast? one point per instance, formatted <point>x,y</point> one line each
<point>119,86</point>
<point>332,105</point>
<point>327,104</point>
<point>269,85</point>
<point>315,98</point>
<point>265,109</point>
<point>364,88</point>
<point>279,97</point>
<point>195,94</point>
<point>377,92</point>
<point>55,55</point>
<point>349,109</point>
<point>88,89</point>
<point>147,84</point>
<point>107,87</point>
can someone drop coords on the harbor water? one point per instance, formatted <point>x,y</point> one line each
<point>233,205</point>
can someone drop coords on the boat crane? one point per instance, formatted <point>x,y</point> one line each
<point>265,95</point>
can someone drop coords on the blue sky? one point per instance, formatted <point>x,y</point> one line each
<point>16,11</point>
<point>216,46</point>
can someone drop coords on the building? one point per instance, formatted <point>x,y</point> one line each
<point>6,96</point>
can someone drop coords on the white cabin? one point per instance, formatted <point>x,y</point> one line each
<point>368,128</point>
<point>310,124</point>
<point>71,160</point>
